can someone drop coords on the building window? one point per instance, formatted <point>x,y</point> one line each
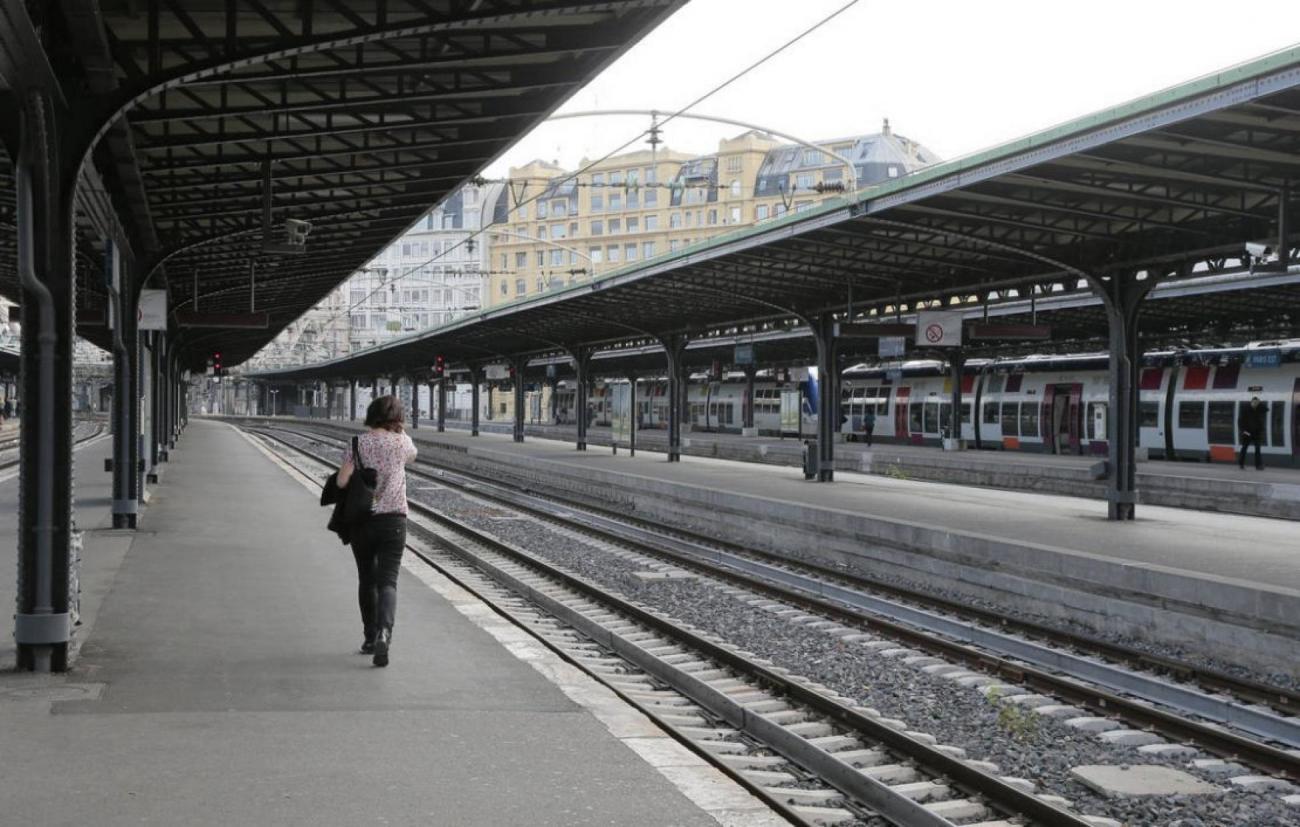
<point>541,258</point>
<point>634,200</point>
<point>541,285</point>
<point>633,224</point>
<point>558,231</point>
<point>560,208</point>
<point>735,215</point>
<point>615,201</point>
<point>598,228</point>
<point>521,287</point>
<point>650,176</point>
<point>612,252</point>
<point>803,181</point>
<point>760,212</point>
<point>651,222</point>
<point>893,171</point>
<point>598,180</point>
<point>629,252</point>
<point>573,228</point>
<point>690,218</point>
<point>647,249</point>
<point>358,321</point>
<point>616,178</point>
<point>597,255</point>
<point>734,163</point>
<point>557,258</point>
<point>735,188</point>
<point>779,209</point>
<point>522,213</point>
<point>615,225</point>
<point>674,220</point>
<point>674,246</point>
<point>541,231</point>
<point>651,198</point>
<point>521,260</point>
<point>541,209</point>
<point>505,287</point>
<point>713,217</point>
<point>597,202</point>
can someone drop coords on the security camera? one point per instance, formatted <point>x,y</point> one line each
<point>1259,249</point>
<point>296,231</point>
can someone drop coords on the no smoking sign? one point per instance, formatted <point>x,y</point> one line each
<point>938,328</point>
<point>934,333</point>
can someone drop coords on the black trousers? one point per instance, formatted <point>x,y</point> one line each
<point>377,547</point>
<point>1246,441</point>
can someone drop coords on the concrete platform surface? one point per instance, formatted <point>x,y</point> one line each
<point>1273,492</point>
<point>220,685</point>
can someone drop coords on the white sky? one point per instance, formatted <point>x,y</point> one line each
<point>956,75</point>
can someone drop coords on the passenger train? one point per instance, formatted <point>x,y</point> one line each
<point>1188,408</point>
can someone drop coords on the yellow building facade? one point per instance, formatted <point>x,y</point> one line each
<point>552,228</point>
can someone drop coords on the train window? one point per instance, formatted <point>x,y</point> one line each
<point>995,383</point>
<point>882,401</point>
<point>1222,424</point>
<point>914,418</point>
<point>945,416</point>
<point>1009,425</point>
<point>713,410</point>
<point>990,413</point>
<point>1029,419</point>
<point>1148,414</point>
<point>1097,420</point>
<point>1277,418</point>
<point>965,413</point>
<point>1191,415</point>
<point>931,418</point>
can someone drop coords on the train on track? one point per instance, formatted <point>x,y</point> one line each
<point>1189,403</point>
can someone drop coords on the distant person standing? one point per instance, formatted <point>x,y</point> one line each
<point>869,425</point>
<point>1252,432</point>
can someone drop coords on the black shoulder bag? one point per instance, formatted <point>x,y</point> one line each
<point>361,489</point>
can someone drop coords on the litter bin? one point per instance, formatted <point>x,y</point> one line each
<point>811,459</point>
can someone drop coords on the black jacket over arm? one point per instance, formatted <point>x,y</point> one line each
<point>331,494</point>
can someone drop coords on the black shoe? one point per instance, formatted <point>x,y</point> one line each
<point>367,647</point>
<point>381,648</point>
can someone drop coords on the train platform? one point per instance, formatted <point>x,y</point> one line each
<point>218,682</point>
<point>1232,581</point>
<point>1273,492</point>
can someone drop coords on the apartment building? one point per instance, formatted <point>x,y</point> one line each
<point>552,227</point>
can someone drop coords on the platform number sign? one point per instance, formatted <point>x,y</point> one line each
<point>938,329</point>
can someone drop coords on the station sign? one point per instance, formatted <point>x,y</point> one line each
<point>153,310</point>
<point>892,346</point>
<point>1268,358</point>
<point>938,328</point>
<point>496,372</point>
<point>744,355</point>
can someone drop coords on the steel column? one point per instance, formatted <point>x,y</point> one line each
<point>674,346</point>
<point>46,227</point>
<point>635,424</point>
<point>415,402</point>
<point>442,404</point>
<point>957,363</point>
<point>747,415</point>
<point>352,400</point>
<point>1122,296</point>
<point>475,376</point>
<point>582,366</point>
<point>125,393</point>
<point>828,408</point>
<point>519,399</point>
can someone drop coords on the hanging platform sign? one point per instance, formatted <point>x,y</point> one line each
<point>892,346</point>
<point>496,371</point>
<point>744,355</point>
<point>872,330</point>
<point>938,329</point>
<point>250,321</point>
<point>983,330</point>
<point>153,310</point>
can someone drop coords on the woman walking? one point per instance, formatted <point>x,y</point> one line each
<point>379,540</point>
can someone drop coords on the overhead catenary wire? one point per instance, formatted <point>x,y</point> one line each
<point>658,125</point>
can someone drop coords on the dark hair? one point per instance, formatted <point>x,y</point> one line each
<point>386,412</point>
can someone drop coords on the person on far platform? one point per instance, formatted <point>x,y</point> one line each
<point>1252,432</point>
<point>869,425</point>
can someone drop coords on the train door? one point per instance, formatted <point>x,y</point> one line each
<point>1047,420</point>
<point>1063,404</point>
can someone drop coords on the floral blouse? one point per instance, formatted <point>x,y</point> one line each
<point>388,453</point>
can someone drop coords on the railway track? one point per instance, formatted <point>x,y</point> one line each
<point>1225,715</point>
<point>814,756</point>
<point>12,444</point>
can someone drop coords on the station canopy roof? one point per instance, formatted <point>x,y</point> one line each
<point>1171,186</point>
<point>356,116</point>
